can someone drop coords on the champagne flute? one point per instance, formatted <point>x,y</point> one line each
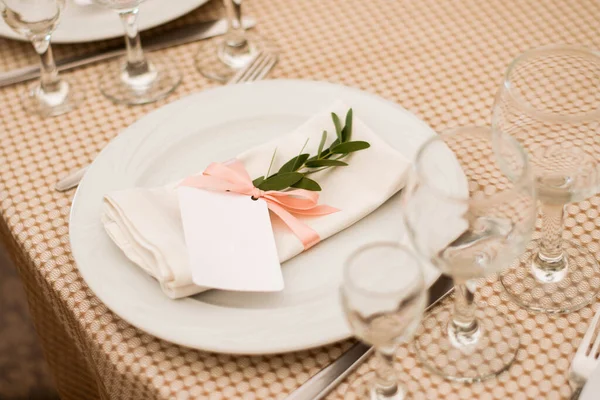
<point>383,296</point>
<point>37,20</point>
<point>470,230</point>
<point>136,79</point>
<point>234,51</point>
<point>550,102</point>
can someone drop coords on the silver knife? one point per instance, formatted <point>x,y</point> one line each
<point>319,386</point>
<point>174,37</point>
<point>71,180</point>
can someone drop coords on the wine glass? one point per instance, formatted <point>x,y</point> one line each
<point>383,296</point>
<point>550,102</point>
<point>469,229</point>
<point>136,79</point>
<point>37,20</point>
<point>234,51</point>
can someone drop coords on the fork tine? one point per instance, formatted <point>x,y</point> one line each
<point>256,68</point>
<point>597,341</point>
<point>268,67</point>
<point>260,68</point>
<point>236,76</point>
<point>250,68</point>
<point>246,77</point>
<point>240,74</point>
<point>594,351</point>
<point>589,334</point>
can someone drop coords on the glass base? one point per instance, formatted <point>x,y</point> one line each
<point>365,389</point>
<point>151,84</point>
<point>493,351</point>
<point>218,62</point>
<point>557,291</point>
<point>49,104</point>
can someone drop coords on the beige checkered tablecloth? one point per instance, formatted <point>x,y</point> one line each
<point>441,59</point>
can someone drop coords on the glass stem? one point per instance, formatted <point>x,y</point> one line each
<point>136,61</point>
<point>236,35</point>
<point>49,73</point>
<point>463,328</point>
<point>551,251</point>
<point>386,383</point>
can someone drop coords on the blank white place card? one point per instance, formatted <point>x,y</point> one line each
<point>229,241</point>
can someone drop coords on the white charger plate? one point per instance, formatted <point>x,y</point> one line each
<point>86,23</point>
<point>183,138</point>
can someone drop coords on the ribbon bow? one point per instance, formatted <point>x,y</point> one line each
<point>233,177</point>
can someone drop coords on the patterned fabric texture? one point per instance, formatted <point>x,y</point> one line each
<point>440,59</point>
<point>23,371</point>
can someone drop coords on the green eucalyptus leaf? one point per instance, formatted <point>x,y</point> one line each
<point>338,125</point>
<point>280,181</point>
<point>294,164</point>
<point>300,160</point>
<point>308,184</point>
<point>258,181</point>
<point>347,131</point>
<point>322,144</point>
<point>325,163</point>
<point>350,147</point>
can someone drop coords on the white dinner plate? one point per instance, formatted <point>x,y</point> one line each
<point>86,23</point>
<point>183,138</point>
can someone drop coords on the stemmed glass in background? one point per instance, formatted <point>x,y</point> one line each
<point>550,102</point>
<point>469,230</point>
<point>36,20</point>
<point>383,295</point>
<point>136,79</point>
<point>234,51</point>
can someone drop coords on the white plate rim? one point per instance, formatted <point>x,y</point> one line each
<point>270,349</point>
<point>149,18</point>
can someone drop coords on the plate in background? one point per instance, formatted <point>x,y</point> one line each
<point>87,23</point>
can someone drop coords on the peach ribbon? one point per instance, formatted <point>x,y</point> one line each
<point>233,177</point>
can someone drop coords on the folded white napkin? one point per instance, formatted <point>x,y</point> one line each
<point>146,223</point>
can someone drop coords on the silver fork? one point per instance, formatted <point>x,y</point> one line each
<point>256,69</point>
<point>587,358</point>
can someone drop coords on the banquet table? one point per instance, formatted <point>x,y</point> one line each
<point>441,59</point>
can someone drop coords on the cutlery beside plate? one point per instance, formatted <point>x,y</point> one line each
<point>321,384</point>
<point>175,37</point>
<point>584,367</point>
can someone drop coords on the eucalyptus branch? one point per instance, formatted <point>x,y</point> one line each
<point>293,174</point>
<point>314,171</point>
<point>310,171</point>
